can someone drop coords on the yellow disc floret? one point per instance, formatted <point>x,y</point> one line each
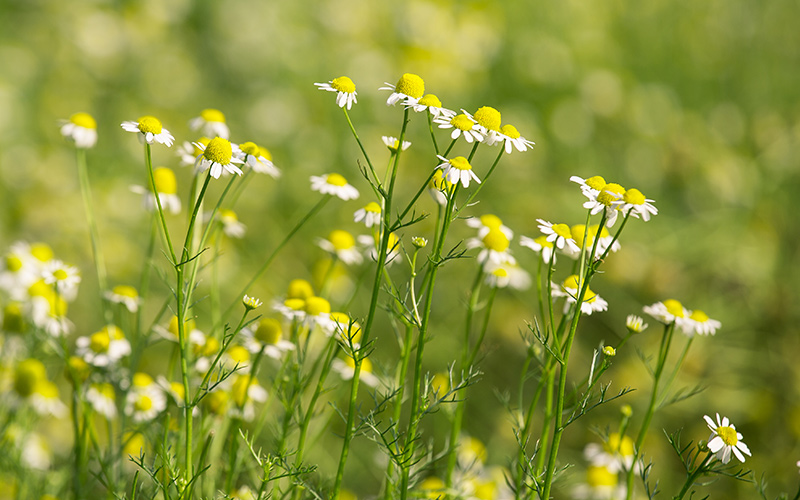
<point>674,307</point>
<point>343,84</point>
<point>488,117</point>
<point>84,120</point>
<point>250,148</point>
<point>431,101</point>
<point>150,124</point>
<point>212,115</point>
<point>596,182</point>
<point>598,475</point>
<point>269,331</point>
<point>610,193</point>
<point>373,207</point>
<point>299,289</point>
<point>699,316</point>
<point>219,150</point>
<point>100,341</point>
<point>728,435</point>
<point>125,291</point>
<point>262,151</point>
<point>42,252</point>
<point>634,197</point>
<point>341,239</point>
<point>411,85</point>
<point>165,181</point>
<point>460,163</point>
<point>562,230</point>
<point>496,240</point>
<point>336,180</point>
<point>622,446</point>
<point>510,131</point>
<point>462,122</point>
<point>491,221</point>
<point>317,305</point>
<point>27,374</point>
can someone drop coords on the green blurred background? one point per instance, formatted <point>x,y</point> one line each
<point>693,102</point>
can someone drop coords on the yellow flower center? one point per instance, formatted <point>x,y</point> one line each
<point>603,231</point>
<point>300,289</point>
<point>250,148</point>
<point>27,374</point>
<point>295,304</point>
<point>462,122</point>
<point>491,221</point>
<point>228,215</point>
<point>341,240</point>
<point>571,282</point>
<point>500,272</point>
<point>84,120</point>
<point>510,131</point>
<point>126,291</point>
<point>598,475</point>
<point>13,263</point>
<point>165,181</point>
<point>150,124</point>
<point>366,364</point>
<point>431,101</point>
<point>611,192</point>
<point>439,182</point>
<point>562,230</point>
<point>188,326</point>
<point>460,163</point>
<point>99,342</point>
<point>596,182</point>
<point>488,117</point>
<point>142,379</point>
<point>219,150</point>
<point>542,241</point>
<point>216,402</point>
<point>134,444</point>
<point>373,207</point>
<point>239,389</point>
<point>60,274</point>
<point>699,316</point>
<point>336,180</point>
<point>105,389</point>
<point>496,240</point>
<point>578,232</point>
<point>178,389</point>
<point>42,252</point>
<point>411,85</point>
<point>622,446</point>
<point>209,347</point>
<point>633,196</point>
<point>440,384</point>
<point>343,84</point>
<point>728,435</point>
<point>269,331</point>
<point>674,307</point>
<point>212,115</point>
<point>262,151</point>
<point>143,403</point>
<point>238,354</point>
<point>46,389</point>
<point>317,305</point>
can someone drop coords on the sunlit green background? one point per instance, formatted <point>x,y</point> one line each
<point>693,102</point>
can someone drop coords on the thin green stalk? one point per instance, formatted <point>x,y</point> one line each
<point>693,477</point>
<point>400,379</point>
<point>377,186</point>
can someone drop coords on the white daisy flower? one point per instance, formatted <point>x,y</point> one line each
<point>347,330</point>
<point>511,139</point>
<point>635,324</point>
<point>47,310</point>
<point>346,368</point>
<point>615,454</point>
<point>409,90</point>
<point>211,122</point>
<point>579,233</point>
<point>724,440</point>
<point>369,214</point>
<point>318,312</point>
<point>569,289</point>
<point>494,248</point>
<point>103,348</point>
<point>457,170</point>
<point>341,244</point>
<point>251,303</point>
<point>440,187</point>
<point>245,392</point>
<point>487,120</point>
<point>259,159</point>
<point>609,200</point>
<point>506,274</point>
<point>292,309</point>
<point>45,400</point>
<point>231,225</point>
<point>63,277</point>
<point>150,130</point>
<point>591,186</point>
<point>22,268</point>
<point>541,246</point>
<point>487,222</point>
<point>461,125</point>
<point>188,152</point>
<point>601,484</point>
<point>698,322</point>
<point>372,246</point>
<point>333,184</point>
<point>635,203</point>
<point>145,400</point>
<point>267,335</point>
<point>167,189</point>
<point>81,129</point>
<point>434,106</point>
<point>220,156</point>
<point>125,295</point>
<point>558,234</point>
<point>345,90</point>
<point>667,312</point>
<point>393,143</point>
<point>36,452</point>
<point>103,399</point>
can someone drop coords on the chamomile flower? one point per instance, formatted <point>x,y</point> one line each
<point>570,289</point>
<point>635,324</point>
<point>333,184</point>
<point>150,130</point>
<point>188,152</point>
<point>558,234</point>
<point>409,90</point>
<point>103,399</point>
<point>457,170</point>
<point>470,452</point>
<point>81,129</point>
<point>579,234</point>
<point>259,159</point>
<point>318,312</point>
<point>211,122</point>
<point>370,214</point>
<point>540,245</point>
<point>487,121</point>
<point>48,309</point>
<point>345,90</point>
<point>494,247</point>
<point>462,125</point>
<point>372,245</point>
<point>45,400</point>
<point>251,303</point>
<point>506,274</point>
<point>347,331</point>
<point>299,289</point>
<point>439,187</point>
<point>346,368</point>
<point>341,244</point>
<point>22,268</point>
<point>393,143</point>
<point>145,400</point>
<point>591,186</point>
<point>434,106</point>
<point>267,335</point>
<point>724,440</point>
<point>245,392</point>
<point>219,155</point>
<point>486,223</point>
<point>511,139</point>
<point>637,205</point>
<point>64,278</point>
<point>125,295</point>
<point>292,309</point>
<point>601,484</point>
<point>167,189</point>
<point>231,225</point>
<point>609,199</point>
<point>616,453</point>
<point>103,348</point>
<point>698,322</point>
<point>667,312</point>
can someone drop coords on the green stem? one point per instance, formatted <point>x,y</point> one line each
<point>692,477</point>
<point>398,403</point>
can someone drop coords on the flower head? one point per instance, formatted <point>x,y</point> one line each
<point>635,324</point>
<point>393,143</point>
<point>259,159</point>
<point>341,244</point>
<point>125,295</point>
<point>219,155</point>
<point>698,322</point>
<point>267,336</point>
<point>145,400</point>
<point>724,440</point>
<point>434,106</point>
<point>667,311</point>
<point>558,234</point>
<point>251,303</point>
<point>540,245</point>
<point>345,90</point>
<point>511,139</point>
<point>635,203</point>
<point>506,274</point>
<point>103,348</point>
<point>81,129</point>
<point>63,277</point>
<point>410,89</point>
<point>370,214</point>
<point>609,199</point>
<point>457,170</point>
<point>211,122</point>
<point>102,397</point>
<point>462,125</point>
<point>346,368</point>
<point>231,225</point>
<point>334,184</point>
<point>486,223</point>
<point>440,187</point>
<point>495,247</point>
<point>570,289</point>
<point>167,189</point>
<point>150,130</point>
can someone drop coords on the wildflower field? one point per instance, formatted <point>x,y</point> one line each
<point>408,250</point>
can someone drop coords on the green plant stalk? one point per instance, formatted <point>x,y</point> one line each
<point>663,351</point>
<point>376,183</point>
<point>97,252</point>
<point>526,430</point>
<point>692,477</point>
<point>367,330</point>
<point>410,444</point>
<point>674,373</point>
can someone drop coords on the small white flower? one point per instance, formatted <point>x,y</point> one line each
<point>231,225</point>
<point>102,398</point>
<point>635,324</point>
<point>45,400</point>
<point>103,348</point>
<point>219,155</point>
<point>570,289</point>
<point>81,129</point>
<point>341,244</point>
<point>615,454</point>
<point>511,139</point>
<point>609,199</point>
<point>333,184</point>
<point>145,400</point>
<point>434,106</point>
<point>495,248</point>
<point>267,335</point>
<point>251,302</point>
<point>486,223</point>
<point>506,274</point>
<point>150,130</point>
<point>409,90</point>
<point>259,159</point>
<point>188,152</point>
<point>635,203</point>
<point>167,189</point>
<point>591,186</point>
<point>345,90</point>
<point>558,234</point>
<point>724,440</point>
<point>393,143</point>
<point>541,246</point>
<point>211,122</point>
<point>346,368</point>
<point>667,311</point>
<point>698,322</point>
<point>125,295</point>
<point>370,214</point>
<point>487,121</point>
<point>63,277</point>
<point>457,170</point>
<point>462,125</point>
